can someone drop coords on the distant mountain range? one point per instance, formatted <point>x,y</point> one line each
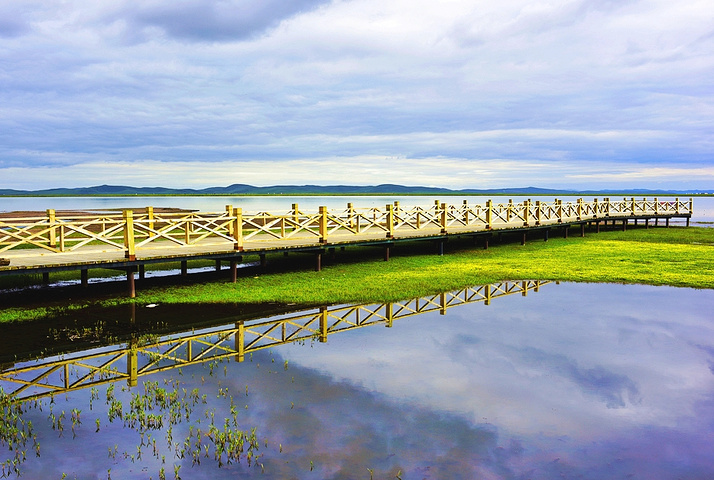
<point>385,189</point>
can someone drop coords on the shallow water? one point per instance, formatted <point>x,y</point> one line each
<point>703,206</point>
<point>574,381</point>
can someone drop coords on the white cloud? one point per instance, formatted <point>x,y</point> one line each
<point>576,81</point>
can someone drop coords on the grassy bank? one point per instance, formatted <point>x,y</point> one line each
<point>676,256</point>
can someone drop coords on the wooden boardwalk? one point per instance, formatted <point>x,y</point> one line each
<point>133,238</point>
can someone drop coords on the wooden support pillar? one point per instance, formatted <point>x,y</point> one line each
<point>84,274</point>
<point>184,268</point>
<point>263,261</point>
<point>546,232</point>
<point>656,221</point>
<point>485,242</point>
<point>286,253</point>
<point>687,221</point>
<point>624,224</point>
<point>565,231</point>
<point>647,223</point>
<point>318,261</point>
<point>142,272</point>
<point>582,229</point>
<point>234,271</point>
<point>667,222</point>
<point>597,226</point>
<point>523,239</point>
<point>387,249</point>
<point>218,265</point>
<point>440,247</point>
<point>130,282</point>
<point>45,278</point>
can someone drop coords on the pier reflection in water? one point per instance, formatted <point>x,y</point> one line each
<point>586,381</point>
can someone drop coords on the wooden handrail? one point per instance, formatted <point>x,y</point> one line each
<point>134,230</point>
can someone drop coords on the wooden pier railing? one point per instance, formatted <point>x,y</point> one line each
<point>133,230</point>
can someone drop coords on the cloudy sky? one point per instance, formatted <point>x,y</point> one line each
<point>458,93</point>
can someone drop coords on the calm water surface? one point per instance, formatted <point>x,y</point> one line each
<point>703,206</point>
<point>573,381</point>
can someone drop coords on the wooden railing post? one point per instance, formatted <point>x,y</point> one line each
<point>607,206</point>
<point>323,224</point>
<point>239,340</point>
<point>238,229</point>
<point>676,203</point>
<point>389,315</point>
<point>229,211</point>
<point>323,323</point>
<point>51,220</point>
<point>579,208</point>
<point>633,206</point>
<point>489,214</point>
<point>129,249</point>
<point>132,363</point>
<point>390,220</point>
<point>656,205</point>
<point>509,210</point>
<point>466,212</point>
<point>351,215</point>
<point>396,213</point>
<point>538,212</point>
<point>596,209</point>
<point>691,205</point>
<point>443,220</point>
<point>559,210</point>
<point>150,218</point>
<point>526,211</point>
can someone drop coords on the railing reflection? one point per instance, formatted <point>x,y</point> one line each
<point>149,354</point>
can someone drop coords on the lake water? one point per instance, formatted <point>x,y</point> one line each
<point>572,381</point>
<point>703,206</point>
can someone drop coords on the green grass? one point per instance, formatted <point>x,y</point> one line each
<point>682,257</point>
